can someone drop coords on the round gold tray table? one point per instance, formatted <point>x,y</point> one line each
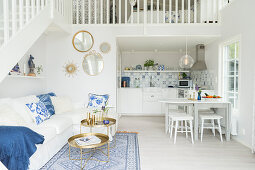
<point>112,122</point>
<point>104,140</point>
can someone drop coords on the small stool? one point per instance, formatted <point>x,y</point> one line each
<point>172,112</point>
<point>175,119</point>
<point>212,118</point>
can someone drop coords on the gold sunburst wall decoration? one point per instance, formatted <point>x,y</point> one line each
<point>70,69</point>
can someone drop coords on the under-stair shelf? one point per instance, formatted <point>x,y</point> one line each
<point>26,77</point>
<point>155,71</point>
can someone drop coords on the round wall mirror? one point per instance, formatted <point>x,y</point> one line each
<point>83,41</point>
<point>105,47</point>
<point>93,63</point>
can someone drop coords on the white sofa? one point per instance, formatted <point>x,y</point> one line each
<point>55,130</point>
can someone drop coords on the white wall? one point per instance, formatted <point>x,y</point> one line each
<point>170,59</point>
<point>60,50</point>
<point>237,19</point>
<point>18,87</point>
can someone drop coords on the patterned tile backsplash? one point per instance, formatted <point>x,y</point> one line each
<point>163,80</point>
<point>204,78</point>
<point>157,79</point>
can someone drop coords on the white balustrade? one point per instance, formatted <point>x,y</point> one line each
<point>18,13</point>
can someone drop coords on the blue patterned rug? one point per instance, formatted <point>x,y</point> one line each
<point>124,156</point>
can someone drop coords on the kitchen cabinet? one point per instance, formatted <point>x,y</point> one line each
<point>144,101</point>
<point>130,101</point>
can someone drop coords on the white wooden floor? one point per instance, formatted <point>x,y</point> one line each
<point>157,151</point>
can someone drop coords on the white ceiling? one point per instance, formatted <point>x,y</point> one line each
<point>163,43</point>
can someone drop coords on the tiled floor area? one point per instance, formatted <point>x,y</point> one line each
<point>157,151</point>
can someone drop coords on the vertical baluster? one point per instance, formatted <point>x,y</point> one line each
<point>182,11</point>
<point>188,11</point>
<point>120,11</point>
<point>101,12</point>
<point>37,6</point>
<point>43,3</point>
<point>157,11</point>
<point>108,11</point>
<point>151,11</point>
<point>113,12</point>
<point>14,16</point>
<point>213,11</point>
<point>176,11</point>
<point>6,20</point>
<point>83,11</point>
<point>89,12</point>
<point>132,13</point>
<point>164,12</point>
<point>27,10</point>
<point>207,11</point>
<point>77,11</point>
<point>145,14</point>
<point>138,11</point>
<point>195,11</point>
<point>217,11</point>
<point>33,8</point>
<point>125,11</point>
<point>170,11</point>
<point>95,11</point>
<point>62,7</point>
<point>21,14</point>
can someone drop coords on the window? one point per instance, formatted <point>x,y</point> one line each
<point>231,72</point>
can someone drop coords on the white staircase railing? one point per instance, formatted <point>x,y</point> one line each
<point>22,22</point>
<point>16,14</point>
<point>146,11</point>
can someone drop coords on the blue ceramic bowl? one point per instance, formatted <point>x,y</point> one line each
<point>106,122</point>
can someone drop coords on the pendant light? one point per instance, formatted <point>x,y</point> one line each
<point>186,61</point>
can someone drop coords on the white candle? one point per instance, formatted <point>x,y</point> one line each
<point>24,69</point>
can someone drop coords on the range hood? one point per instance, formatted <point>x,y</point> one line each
<point>200,58</point>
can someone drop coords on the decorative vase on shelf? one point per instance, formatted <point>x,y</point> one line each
<point>151,68</point>
<point>199,96</point>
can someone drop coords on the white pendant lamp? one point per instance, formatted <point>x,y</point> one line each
<point>186,61</point>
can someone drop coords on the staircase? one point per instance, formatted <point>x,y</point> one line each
<point>22,22</point>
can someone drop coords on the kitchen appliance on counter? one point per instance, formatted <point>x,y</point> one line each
<point>125,82</point>
<point>185,83</point>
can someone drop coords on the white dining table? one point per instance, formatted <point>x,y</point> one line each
<point>196,105</point>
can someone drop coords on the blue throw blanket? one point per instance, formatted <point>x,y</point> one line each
<point>17,145</point>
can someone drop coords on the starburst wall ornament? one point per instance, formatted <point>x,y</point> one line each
<point>70,69</point>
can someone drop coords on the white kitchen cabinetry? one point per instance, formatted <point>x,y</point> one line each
<point>143,101</point>
<point>130,101</point>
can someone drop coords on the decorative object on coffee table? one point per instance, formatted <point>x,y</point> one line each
<point>31,66</point>
<point>104,140</point>
<point>70,69</point>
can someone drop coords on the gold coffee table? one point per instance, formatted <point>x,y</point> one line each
<point>112,122</point>
<point>104,140</point>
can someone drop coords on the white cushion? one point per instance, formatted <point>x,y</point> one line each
<point>62,104</point>
<point>19,105</point>
<point>9,117</point>
<point>59,123</point>
<point>76,115</point>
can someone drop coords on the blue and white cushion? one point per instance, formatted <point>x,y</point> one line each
<point>97,101</point>
<point>45,98</point>
<point>38,111</point>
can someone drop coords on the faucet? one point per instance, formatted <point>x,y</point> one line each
<point>151,84</point>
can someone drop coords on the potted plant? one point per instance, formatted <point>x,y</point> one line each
<point>149,64</point>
